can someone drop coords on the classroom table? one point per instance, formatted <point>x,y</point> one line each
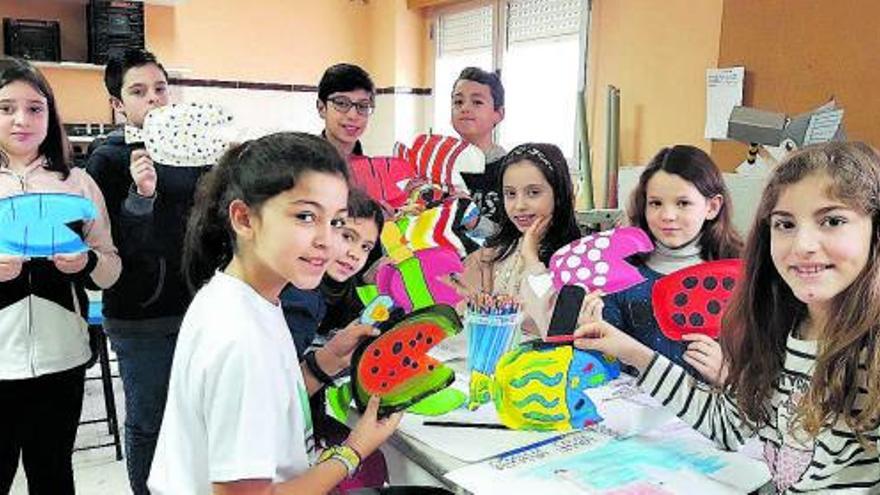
<point>414,461</point>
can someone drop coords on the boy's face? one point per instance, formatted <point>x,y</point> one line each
<point>473,111</point>
<point>346,125</point>
<point>143,89</point>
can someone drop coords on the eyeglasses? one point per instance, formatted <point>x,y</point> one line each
<point>343,104</point>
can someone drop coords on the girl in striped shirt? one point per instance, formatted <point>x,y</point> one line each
<point>800,335</point>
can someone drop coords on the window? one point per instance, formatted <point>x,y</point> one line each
<point>538,47</point>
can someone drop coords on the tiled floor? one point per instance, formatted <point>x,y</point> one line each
<point>96,471</point>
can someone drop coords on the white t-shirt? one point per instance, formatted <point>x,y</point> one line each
<point>237,404</point>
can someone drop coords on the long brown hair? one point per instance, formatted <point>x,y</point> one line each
<point>764,310</point>
<point>719,239</point>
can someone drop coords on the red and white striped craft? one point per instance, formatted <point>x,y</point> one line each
<point>441,159</point>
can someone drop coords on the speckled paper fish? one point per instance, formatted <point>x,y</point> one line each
<point>545,389</point>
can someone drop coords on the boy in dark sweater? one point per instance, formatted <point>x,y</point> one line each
<point>477,107</point>
<point>148,204</point>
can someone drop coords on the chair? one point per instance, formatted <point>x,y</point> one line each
<point>98,342</point>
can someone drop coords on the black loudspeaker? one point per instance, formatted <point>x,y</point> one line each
<point>114,26</point>
<point>32,39</point>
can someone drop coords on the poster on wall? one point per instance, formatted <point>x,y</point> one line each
<point>724,90</point>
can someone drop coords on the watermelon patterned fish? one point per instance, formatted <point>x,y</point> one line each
<point>545,388</point>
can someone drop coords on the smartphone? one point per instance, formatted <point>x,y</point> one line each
<point>565,314</point>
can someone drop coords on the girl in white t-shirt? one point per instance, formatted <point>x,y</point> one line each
<point>237,419</point>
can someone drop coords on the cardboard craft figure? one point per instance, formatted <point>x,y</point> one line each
<point>441,159</point>
<point>38,224</point>
<point>183,134</point>
<point>693,299</point>
<point>598,261</point>
<point>383,178</point>
<point>546,388</point>
<point>395,366</point>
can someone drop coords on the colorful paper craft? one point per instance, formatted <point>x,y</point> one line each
<point>396,367</point>
<point>545,389</point>
<point>445,225</point>
<point>598,261</point>
<point>186,134</point>
<point>36,225</point>
<point>416,282</point>
<point>383,178</point>
<point>441,159</point>
<point>692,300</point>
<point>377,310</point>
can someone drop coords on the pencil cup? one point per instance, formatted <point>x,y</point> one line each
<point>489,337</point>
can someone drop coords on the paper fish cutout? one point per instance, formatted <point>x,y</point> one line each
<point>186,134</point>
<point>35,225</point>
<point>415,282</point>
<point>383,178</point>
<point>693,299</point>
<point>598,261</point>
<point>441,159</point>
<point>545,389</point>
<point>395,366</point>
<point>445,225</point>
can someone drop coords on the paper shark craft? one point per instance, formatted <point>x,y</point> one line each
<point>598,261</point>
<point>37,225</point>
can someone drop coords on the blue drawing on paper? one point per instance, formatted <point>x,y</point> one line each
<point>36,225</point>
<point>620,463</point>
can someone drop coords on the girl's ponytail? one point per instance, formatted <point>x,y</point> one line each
<point>253,172</point>
<point>208,244</point>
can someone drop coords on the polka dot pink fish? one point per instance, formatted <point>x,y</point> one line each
<point>598,261</point>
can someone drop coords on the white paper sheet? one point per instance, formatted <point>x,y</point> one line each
<point>724,88</point>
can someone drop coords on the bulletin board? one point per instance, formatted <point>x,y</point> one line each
<point>799,54</point>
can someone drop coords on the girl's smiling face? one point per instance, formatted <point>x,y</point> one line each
<point>527,194</point>
<point>819,244</point>
<point>297,233</point>
<point>360,236</point>
<point>676,210</point>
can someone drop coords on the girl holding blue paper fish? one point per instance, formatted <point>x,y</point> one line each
<point>539,219</point>
<point>800,334</point>
<point>44,343</point>
<point>681,202</point>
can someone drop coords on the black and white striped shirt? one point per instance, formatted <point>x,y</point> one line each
<point>832,461</point>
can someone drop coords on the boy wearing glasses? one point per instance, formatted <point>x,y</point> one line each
<point>346,99</point>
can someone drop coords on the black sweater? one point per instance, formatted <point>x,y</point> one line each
<point>147,231</point>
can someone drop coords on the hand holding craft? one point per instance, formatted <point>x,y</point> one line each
<point>70,263</point>
<point>606,338</point>
<point>370,432</point>
<point>10,267</point>
<point>704,354</point>
<point>591,308</point>
<point>342,345</point>
<point>143,172</point>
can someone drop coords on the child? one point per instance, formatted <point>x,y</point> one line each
<point>148,205</point>
<point>44,342</point>
<point>682,203</point>
<point>800,335</point>
<point>237,419</point>
<point>477,107</point>
<point>343,308</point>
<point>539,207</point>
<point>346,99</point>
